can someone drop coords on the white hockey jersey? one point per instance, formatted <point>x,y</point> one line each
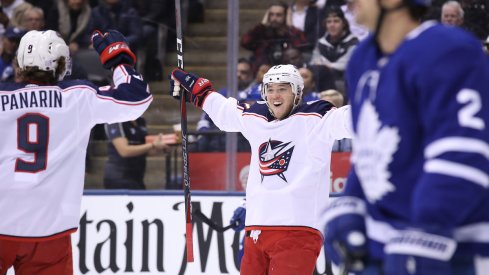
<point>290,159</point>
<point>45,132</point>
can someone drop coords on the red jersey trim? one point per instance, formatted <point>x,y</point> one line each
<point>38,239</point>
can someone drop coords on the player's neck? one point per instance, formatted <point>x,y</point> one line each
<point>394,29</point>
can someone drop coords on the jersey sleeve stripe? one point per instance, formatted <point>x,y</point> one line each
<point>477,232</point>
<point>458,170</point>
<point>382,232</point>
<point>123,102</point>
<point>255,115</point>
<point>458,144</point>
<point>307,114</point>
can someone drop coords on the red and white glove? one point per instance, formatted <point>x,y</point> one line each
<point>198,87</point>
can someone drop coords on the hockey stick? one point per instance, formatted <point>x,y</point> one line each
<point>349,261</point>
<point>183,113</point>
<point>199,215</point>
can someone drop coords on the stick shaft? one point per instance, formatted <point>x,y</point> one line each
<point>183,112</point>
<point>199,215</point>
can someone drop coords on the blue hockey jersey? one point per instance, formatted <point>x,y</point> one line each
<point>421,122</point>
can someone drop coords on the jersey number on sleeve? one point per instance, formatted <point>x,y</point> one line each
<point>466,115</point>
<point>33,138</point>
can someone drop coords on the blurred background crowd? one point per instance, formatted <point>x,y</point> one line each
<point>317,36</point>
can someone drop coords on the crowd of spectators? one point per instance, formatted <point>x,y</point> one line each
<point>74,20</point>
<point>318,37</point>
<point>321,35</point>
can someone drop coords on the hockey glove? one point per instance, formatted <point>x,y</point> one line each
<point>417,252</point>
<point>112,48</point>
<point>345,241</point>
<point>198,87</point>
<point>238,219</point>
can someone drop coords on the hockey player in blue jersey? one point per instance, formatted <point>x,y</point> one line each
<point>417,199</point>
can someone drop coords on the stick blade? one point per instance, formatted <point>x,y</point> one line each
<point>189,240</point>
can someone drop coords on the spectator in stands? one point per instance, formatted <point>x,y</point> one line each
<point>70,18</point>
<point>295,57</point>
<point>335,97</point>
<point>217,142</point>
<point>452,14</point>
<point>306,16</point>
<point>333,50</point>
<point>254,91</point>
<point>269,39</point>
<point>332,96</point>
<point>359,31</point>
<point>244,74</point>
<point>310,92</point>
<point>127,150</point>
<point>118,15</point>
<point>45,5</point>
<point>152,13</point>
<point>33,19</point>
<point>14,9</point>
<point>476,17</point>
<point>10,42</point>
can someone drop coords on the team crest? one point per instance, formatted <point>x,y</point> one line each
<point>375,146</point>
<point>274,158</point>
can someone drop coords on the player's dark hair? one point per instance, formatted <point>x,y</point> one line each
<point>38,76</point>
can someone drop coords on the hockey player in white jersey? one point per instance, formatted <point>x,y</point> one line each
<point>46,124</point>
<point>417,200</point>
<point>288,182</point>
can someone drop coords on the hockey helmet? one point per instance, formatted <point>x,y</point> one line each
<point>283,74</point>
<point>42,49</point>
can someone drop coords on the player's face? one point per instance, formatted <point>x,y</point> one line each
<point>366,13</point>
<point>280,99</point>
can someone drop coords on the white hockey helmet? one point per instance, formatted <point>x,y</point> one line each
<point>42,49</point>
<point>284,74</point>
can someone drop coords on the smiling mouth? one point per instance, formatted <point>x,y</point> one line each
<point>277,104</point>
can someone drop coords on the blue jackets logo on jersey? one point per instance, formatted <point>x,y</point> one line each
<point>274,158</point>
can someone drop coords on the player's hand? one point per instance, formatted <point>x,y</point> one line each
<point>417,252</point>
<point>198,87</point>
<point>345,241</point>
<point>238,219</point>
<point>159,143</point>
<point>113,48</point>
